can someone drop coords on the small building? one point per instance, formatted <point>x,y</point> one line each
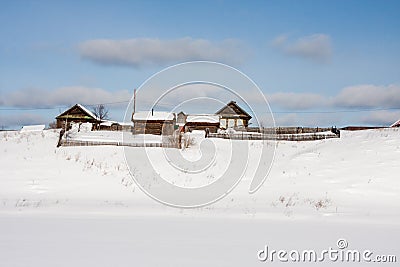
<point>153,122</point>
<point>122,126</point>
<point>76,114</point>
<point>396,124</point>
<point>116,126</point>
<point>202,122</point>
<point>32,128</point>
<point>106,125</point>
<point>181,118</point>
<point>233,116</point>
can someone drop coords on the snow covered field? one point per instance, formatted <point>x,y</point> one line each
<point>78,206</point>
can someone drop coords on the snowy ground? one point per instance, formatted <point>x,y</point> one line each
<point>78,206</point>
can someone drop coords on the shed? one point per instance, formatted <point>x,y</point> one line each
<point>32,128</point>
<point>153,122</point>
<point>202,122</point>
<point>233,116</point>
<point>181,118</point>
<point>77,114</point>
<point>116,126</point>
<point>106,125</point>
<point>122,126</point>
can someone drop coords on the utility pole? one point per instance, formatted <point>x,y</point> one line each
<point>134,100</point>
<point>134,103</point>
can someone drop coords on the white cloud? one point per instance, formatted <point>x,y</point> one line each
<point>309,119</point>
<point>296,101</point>
<point>382,117</point>
<point>21,119</point>
<point>368,96</point>
<point>286,120</point>
<point>315,47</point>
<point>280,40</point>
<point>353,97</point>
<point>201,96</point>
<point>62,96</point>
<point>140,52</point>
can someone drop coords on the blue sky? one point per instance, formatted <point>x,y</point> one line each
<point>306,56</point>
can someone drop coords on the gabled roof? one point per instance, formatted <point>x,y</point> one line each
<point>84,110</point>
<point>233,109</point>
<point>88,111</point>
<point>153,116</point>
<point>396,124</point>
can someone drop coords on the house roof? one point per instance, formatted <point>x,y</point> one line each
<point>110,123</point>
<point>396,124</point>
<point>32,128</point>
<point>87,112</point>
<point>153,116</point>
<point>122,123</point>
<point>233,109</point>
<point>107,123</point>
<point>203,118</point>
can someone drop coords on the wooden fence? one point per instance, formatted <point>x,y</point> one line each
<point>233,136</point>
<point>283,137</point>
<point>287,130</point>
<point>113,143</point>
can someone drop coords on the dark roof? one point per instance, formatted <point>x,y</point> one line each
<point>396,124</point>
<point>77,112</point>
<point>359,128</point>
<point>233,109</point>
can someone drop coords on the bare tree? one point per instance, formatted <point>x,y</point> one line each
<point>53,125</point>
<point>101,112</point>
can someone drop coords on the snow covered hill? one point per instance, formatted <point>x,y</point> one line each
<point>83,200</point>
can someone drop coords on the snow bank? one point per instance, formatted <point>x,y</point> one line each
<point>83,201</point>
<point>32,128</point>
<point>356,174</point>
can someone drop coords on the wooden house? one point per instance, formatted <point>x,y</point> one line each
<point>153,122</point>
<point>233,116</point>
<point>76,114</point>
<point>202,122</point>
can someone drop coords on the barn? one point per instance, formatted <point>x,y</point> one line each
<point>153,122</point>
<point>233,116</point>
<point>202,122</point>
<point>77,114</point>
<point>116,126</point>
